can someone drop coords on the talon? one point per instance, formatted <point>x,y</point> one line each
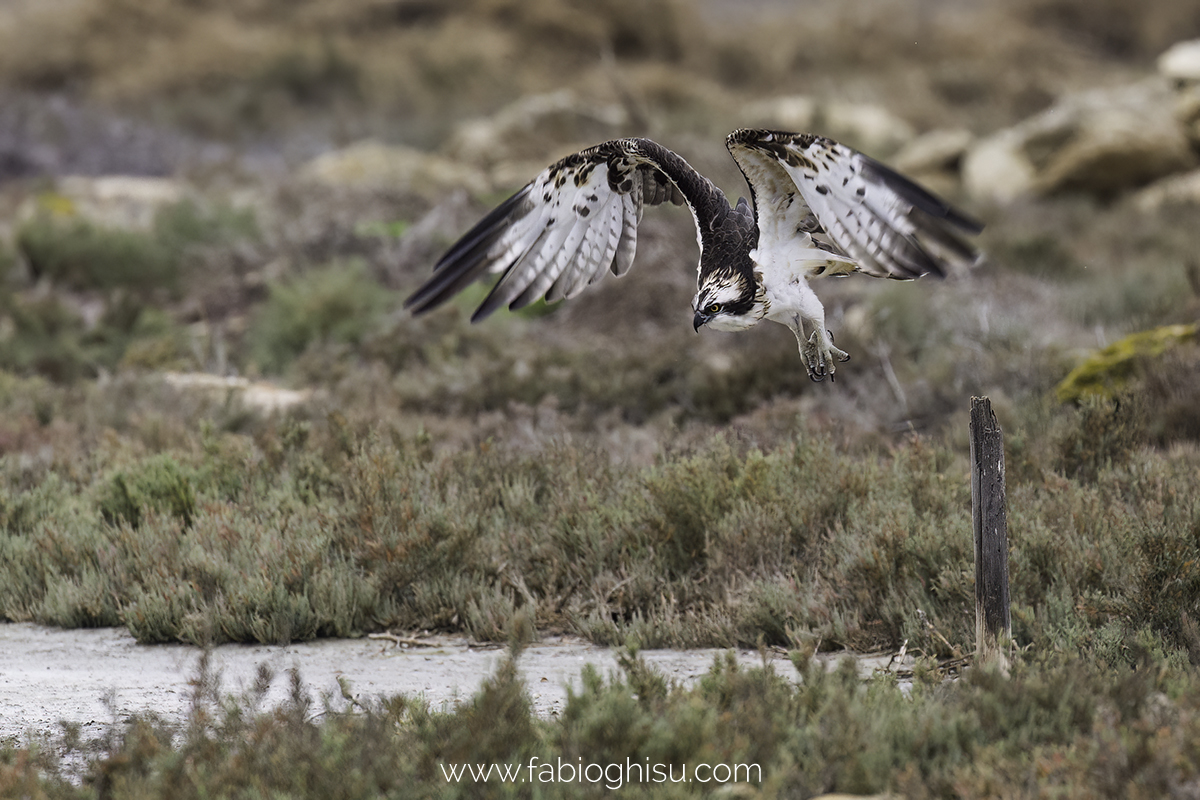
<point>819,354</point>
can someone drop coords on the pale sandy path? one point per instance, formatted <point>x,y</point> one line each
<point>47,674</point>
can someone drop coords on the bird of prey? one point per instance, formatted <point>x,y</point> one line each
<point>817,208</point>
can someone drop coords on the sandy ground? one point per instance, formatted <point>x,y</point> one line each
<point>96,677</point>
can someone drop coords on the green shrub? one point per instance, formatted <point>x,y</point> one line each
<point>1169,582</point>
<point>188,224</point>
<point>159,483</point>
<point>49,338</point>
<point>132,269</point>
<point>8,262</point>
<point>337,304</point>
<point>45,338</point>
<point>1103,433</point>
<point>80,255</point>
<point>312,524</point>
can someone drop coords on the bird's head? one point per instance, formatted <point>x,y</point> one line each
<point>726,301</point>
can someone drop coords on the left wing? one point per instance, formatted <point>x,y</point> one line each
<point>557,235</point>
<point>850,204</point>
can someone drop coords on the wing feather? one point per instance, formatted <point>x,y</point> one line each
<point>889,225</point>
<point>615,215</point>
<point>562,231</point>
<point>565,261</point>
<point>631,206</point>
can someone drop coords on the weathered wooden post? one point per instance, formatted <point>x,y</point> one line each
<point>993,622</point>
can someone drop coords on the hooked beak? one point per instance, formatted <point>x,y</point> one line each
<point>699,319</point>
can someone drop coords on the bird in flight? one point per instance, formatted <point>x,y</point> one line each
<point>817,208</point>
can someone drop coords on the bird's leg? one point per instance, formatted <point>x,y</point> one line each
<point>826,353</point>
<point>817,348</point>
<point>808,350</point>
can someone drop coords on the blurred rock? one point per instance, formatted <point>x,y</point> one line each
<point>934,158</point>
<point>1187,111</point>
<point>372,165</point>
<point>792,113</point>
<point>939,150</point>
<point>1100,142</point>
<point>1107,371</point>
<point>258,395</point>
<point>868,127</point>
<point>117,201</point>
<point>1176,190</point>
<point>522,133</point>
<point>996,168</point>
<point>865,126</point>
<point>1181,62</point>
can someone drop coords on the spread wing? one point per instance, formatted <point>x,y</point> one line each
<point>559,234</point>
<point>849,205</point>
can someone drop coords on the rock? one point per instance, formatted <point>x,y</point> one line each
<point>1181,62</point>
<point>1106,371</point>
<point>372,165</point>
<point>1100,142</point>
<point>523,131</point>
<point>1187,111</point>
<point>868,127</point>
<point>865,126</point>
<point>996,168</point>
<point>792,113</point>
<point>258,395</point>
<point>939,150</point>
<point>116,201</point>
<point>1176,190</point>
<point>935,158</point>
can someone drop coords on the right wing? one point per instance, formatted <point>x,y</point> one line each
<point>557,235</point>
<point>850,205</point>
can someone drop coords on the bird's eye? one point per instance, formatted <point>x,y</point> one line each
<point>713,308</point>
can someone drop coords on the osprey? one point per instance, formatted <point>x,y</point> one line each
<point>817,208</point>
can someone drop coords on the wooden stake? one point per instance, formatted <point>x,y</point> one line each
<point>993,621</point>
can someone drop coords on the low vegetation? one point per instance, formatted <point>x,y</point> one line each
<point>110,287</point>
<point>310,525</point>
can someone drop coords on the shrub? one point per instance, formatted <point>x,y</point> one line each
<point>337,304</point>
<point>80,255</point>
<point>46,338</point>
<point>158,483</point>
<point>1102,434</point>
